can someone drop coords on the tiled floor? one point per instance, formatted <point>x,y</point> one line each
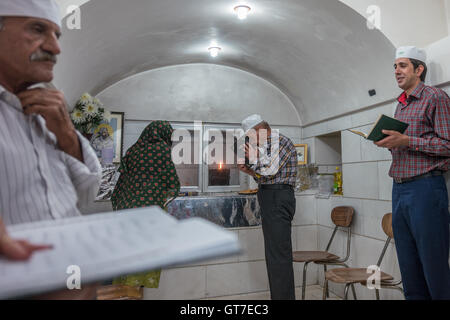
<point>313,292</point>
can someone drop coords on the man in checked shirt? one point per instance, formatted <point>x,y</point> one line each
<point>274,167</point>
<point>421,218</point>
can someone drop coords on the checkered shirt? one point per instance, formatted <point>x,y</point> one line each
<point>427,111</point>
<point>278,164</point>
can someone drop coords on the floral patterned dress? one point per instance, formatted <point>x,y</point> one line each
<point>147,177</point>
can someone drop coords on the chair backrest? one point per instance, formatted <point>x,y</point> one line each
<point>342,216</point>
<point>386,224</point>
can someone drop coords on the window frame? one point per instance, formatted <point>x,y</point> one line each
<point>194,127</point>
<point>206,188</point>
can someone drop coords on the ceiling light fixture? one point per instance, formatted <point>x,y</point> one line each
<point>242,11</point>
<point>214,51</point>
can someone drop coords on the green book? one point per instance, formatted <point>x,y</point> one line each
<point>383,123</point>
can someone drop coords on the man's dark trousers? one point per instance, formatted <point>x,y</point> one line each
<point>277,211</point>
<point>421,224</point>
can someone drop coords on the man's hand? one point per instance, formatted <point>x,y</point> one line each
<point>394,140</point>
<point>19,249</point>
<point>50,104</point>
<point>245,169</point>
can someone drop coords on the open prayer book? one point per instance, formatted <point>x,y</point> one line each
<point>383,123</point>
<point>107,245</point>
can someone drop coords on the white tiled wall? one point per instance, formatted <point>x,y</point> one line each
<point>306,212</point>
<point>294,133</point>
<point>327,151</point>
<point>252,244</point>
<point>306,240</point>
<point>355,120</point>
<point>351,147</point>
<point>384,181</point>
<point>360,180</point>
<point>179,283</point>
<point>236,278</point>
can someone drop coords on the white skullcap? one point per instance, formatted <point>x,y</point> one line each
<point>43,9</point>
<point>411,53</point>
<point>251,122</point>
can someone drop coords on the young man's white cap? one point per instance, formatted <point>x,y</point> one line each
<point>411,52</point>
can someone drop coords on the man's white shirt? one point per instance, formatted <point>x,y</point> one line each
<point>38,181</point>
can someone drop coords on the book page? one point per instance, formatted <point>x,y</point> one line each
<point>104,246</point>
<point>359,133</point>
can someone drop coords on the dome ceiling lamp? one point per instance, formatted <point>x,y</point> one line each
<point>214,51</point>
<point>242,11</point>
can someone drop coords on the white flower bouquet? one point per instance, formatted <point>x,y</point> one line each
<point>88,113</point>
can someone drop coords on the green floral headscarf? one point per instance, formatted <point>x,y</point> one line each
<point>147,177</point>
<point>147,172</point>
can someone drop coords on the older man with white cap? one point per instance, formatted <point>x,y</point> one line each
<point>420,156</point>
<point>275,170</point>
<point>47,168</point>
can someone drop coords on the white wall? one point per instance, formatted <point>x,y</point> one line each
<point>406,22</point>
<point>64,4</point>
<point>438,56</point>
<point>447,11</point>
<point>205,92</point>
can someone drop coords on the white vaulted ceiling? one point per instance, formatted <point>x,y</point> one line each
<point>319,53</point>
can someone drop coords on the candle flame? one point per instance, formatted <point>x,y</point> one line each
<point>220,166</point>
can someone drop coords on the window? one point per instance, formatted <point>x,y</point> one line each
<point>220,170</point>
<point>204,157</point>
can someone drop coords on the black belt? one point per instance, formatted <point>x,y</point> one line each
<point>433,173</point>
<point>276,186</point>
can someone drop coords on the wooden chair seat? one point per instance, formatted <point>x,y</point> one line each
<point>353,275</point>
<point>310,256</point>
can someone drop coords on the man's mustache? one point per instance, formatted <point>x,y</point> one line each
<point>43,56</point>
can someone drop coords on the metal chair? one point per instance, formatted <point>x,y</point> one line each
<point>350,276</point>
<point>342,218</point>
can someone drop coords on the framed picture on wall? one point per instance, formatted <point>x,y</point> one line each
<point>302,153</point>
<point>107,139</point>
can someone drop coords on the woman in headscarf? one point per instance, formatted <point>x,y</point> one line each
<point>147,172</point>
<point>147,177</point>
